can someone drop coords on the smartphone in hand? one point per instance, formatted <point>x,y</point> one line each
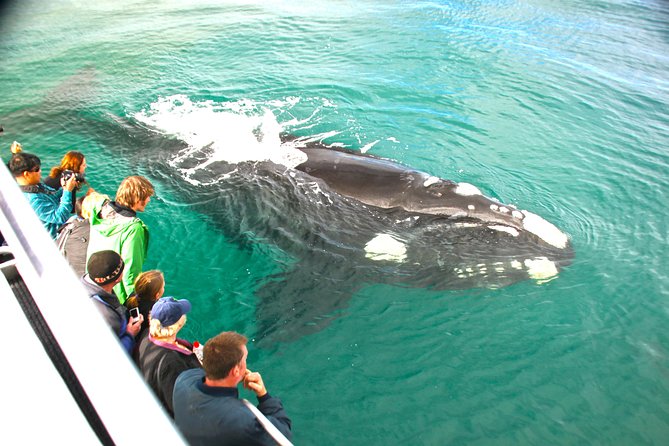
<point>134,313</point>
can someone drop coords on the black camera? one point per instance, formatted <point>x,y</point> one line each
<point>79,177</point>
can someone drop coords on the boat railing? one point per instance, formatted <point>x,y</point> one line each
<point>65,376</point>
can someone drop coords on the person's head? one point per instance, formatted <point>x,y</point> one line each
<point>134,192</point>
<point>168,316</point>
<point>77,206</point>
<point>105,268</point>
<point>225,354</point>
<point>74,161</point>
<point>150,285</point>
<point>90,201</point>
<point>26,168</point>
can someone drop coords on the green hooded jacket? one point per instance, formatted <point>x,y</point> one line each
<point>117,228</point>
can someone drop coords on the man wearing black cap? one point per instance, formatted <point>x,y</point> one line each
<point>105,269</point>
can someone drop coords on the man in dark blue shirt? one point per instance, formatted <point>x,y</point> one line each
<point>207,408</point>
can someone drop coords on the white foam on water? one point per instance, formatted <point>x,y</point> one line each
<point>467,189</point>
<point>366,147</point>
<point>544,230</point>
<point>234,131</point>
<point>386,247</point>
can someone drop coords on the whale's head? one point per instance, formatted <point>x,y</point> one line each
<point>465,201</point>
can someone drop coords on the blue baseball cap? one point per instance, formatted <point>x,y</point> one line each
<point>169,310</point>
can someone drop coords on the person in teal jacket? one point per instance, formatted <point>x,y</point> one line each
<point>115,226</point>
<point>53,207</point>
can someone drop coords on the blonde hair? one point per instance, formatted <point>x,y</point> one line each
<point>92,201</point>
<point>132,190</point>
<point>156,329</point>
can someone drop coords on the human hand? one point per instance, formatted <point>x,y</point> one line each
<point>70,184</point>
<point>134,325</point>
<point>253,381</point>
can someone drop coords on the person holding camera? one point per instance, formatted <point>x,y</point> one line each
<point>73,163</point>
<point>53,207</point>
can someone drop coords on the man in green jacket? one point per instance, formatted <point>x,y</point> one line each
<point>115,226</point>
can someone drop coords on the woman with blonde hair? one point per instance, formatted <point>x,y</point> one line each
<point>161,355</point>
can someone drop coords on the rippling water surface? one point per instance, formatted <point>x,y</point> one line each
<point>556,107</point>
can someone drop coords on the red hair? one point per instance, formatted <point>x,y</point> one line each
<point>71,161</point>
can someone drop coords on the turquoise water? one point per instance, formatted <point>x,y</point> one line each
<point>557,107</point>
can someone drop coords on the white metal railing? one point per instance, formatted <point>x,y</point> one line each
<point>126,406</point>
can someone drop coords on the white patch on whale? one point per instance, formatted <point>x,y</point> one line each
<point>544,230</point>
<point>466,225</point>
<point>430,181</point>
<point>471,207</point>
<point>386,247</point>
<point>508,229</point>
<point>541,269</point>
<point>467,189</point>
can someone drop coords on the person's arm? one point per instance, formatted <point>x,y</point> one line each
<point>50,212</point>
<point>133,253</point>
<point>128,342</point>
<point>269,406</point>
<point>273,409</point>
<point>132,327</point>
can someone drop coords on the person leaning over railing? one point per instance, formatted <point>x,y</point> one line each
<point>149,287</point>
<point>105,269</point>
<point>116,226</point>
<point>73,162</point>
<point>163,356</point>
<point>207,408</point>
<point>53,207</point>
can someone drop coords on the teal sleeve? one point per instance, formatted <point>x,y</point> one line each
<point>52,208</point>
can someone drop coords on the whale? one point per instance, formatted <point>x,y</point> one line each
<point>334,222</point>
<point>345,220</point>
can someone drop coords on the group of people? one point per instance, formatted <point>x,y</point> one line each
<point>106,244</point>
